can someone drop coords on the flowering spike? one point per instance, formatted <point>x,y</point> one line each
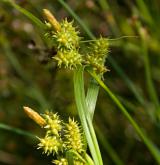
<point>74,138</point>
<point>98,51</point>
<point>78,162</point>
<point>68,59</point>
<point>67,37</point>
<point>100,47</point>
<point>61,161</point>
<point>50,145</point>
<point>53,123</point>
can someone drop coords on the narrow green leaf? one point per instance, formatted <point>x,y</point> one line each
<point>26,13</point>
<point>91,98</point>
<point>85,116</point>
<point>149,81</point>
<point>152,148</point>
<point>77,155</point>
<point>16,130</point>
<point>128,82</point>
<point>144,11</point>
<point>88,159</point>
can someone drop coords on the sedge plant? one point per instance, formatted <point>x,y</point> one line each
<point>58,140</point>
<point>77,55</point>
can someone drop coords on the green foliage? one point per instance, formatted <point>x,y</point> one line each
<point>29,75</point>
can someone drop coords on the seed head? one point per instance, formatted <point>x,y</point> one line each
<point>61,161</point>
<point>50,145</point>
<point>100,48</point>
<point>98,51</point>
<point>78,162</point>
<point>74,137</point>
<point>53,123</point>
<point>67,37</point>
<point>68,59</point>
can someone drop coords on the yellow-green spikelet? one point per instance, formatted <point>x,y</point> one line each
<point>100,47</point>
<point>61,161</point>
<point>67,36</point>
<point>50,145</point>
<point>68,58</point>
<point>67,44</point>
<point>53,123</point>
<point>78,162</point>
<point>98,51</point>
<point>74,136</point>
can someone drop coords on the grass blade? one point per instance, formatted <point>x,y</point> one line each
<point>26,13</point>
<point>150,86</point>
<point>16,130</point>
<point>91,98</point>
<point>85,116</point>
<point>144,11</point>
<point>152,148</point>
<point>129,83</point>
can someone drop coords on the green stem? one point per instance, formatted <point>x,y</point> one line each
<point>152,148</point>
<point>129,83</point>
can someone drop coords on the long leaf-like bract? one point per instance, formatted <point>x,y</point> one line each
<point>16,130</point>
<point>152,148</point>
<point>84,115</point>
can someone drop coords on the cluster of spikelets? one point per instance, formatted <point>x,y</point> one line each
<point>60,137</point>
<point>66,40</point>
<point>97,52</point>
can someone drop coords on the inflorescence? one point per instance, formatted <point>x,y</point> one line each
<point>60,137</point>
<point>65,38</point>
<point>66,139</point>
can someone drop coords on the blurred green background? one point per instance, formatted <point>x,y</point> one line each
<point>28,76</point>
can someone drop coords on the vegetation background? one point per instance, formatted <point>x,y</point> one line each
<point>28,76</point>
